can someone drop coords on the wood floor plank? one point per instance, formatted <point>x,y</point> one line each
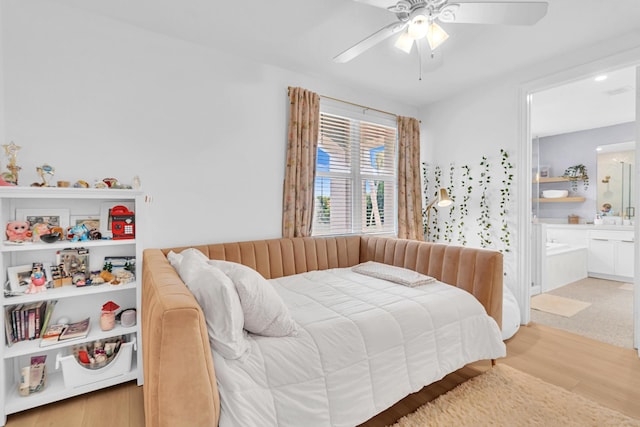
<point>136,402</point>
<point>600,372</point>
<point>97,414</point>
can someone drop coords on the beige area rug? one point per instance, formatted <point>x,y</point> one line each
<point>561,306</point>
<point>627,286</point>
<point>504,396</point>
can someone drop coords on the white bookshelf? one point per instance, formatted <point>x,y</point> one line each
<point>74,303</point>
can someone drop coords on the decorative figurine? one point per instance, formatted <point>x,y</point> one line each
<point>46,172</point>
<point>18,231</point>
<point>38,281</point>
<point>111,182</point>
<point>11,151</point>
<point>39,230</point>
<point>95,234</point>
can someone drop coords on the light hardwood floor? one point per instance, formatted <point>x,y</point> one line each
<point>603,373</point>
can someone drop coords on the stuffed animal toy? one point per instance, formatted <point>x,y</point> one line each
<point>18,231</point>
<point>78,232</point>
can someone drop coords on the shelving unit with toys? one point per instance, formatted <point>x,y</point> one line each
<point>77,287</point>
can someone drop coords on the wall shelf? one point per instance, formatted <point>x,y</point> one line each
<point>561,200</point>
<point>556,179</point>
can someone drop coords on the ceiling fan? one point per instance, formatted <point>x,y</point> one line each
<point>416,20</point>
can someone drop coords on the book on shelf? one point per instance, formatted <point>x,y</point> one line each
<point>62,332</point>
<point>26,321</point>
<point>51,335</point>
<point>47,314</point>
<point>8,326</point>
<point>76,330</point>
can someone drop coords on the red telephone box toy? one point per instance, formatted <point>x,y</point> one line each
<point>123,223</point>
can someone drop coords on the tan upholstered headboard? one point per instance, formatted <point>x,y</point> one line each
<point>284,257</point>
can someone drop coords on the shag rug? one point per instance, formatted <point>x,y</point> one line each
<point>504,396</point>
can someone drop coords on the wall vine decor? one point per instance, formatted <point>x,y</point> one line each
<point>505,198</point>
<point>484,220</point>
<point>473,192</point>
<point>465,185</point>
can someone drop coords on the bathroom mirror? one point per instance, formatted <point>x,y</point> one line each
<point>615,179</point>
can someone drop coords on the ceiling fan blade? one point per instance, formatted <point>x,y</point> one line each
<point>511,13</point>
<point>375,38</point>
<point>383,4</point>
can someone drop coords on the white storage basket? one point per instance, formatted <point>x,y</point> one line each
<point>76,375</point>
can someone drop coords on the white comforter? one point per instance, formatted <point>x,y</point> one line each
<point>363,344</point>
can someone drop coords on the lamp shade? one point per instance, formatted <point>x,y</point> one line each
<point>443,198</point>
<point>404,42</point>
<point>436,35</point>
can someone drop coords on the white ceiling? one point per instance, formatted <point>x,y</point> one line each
<point>304,36</point>
<point>585,104</point>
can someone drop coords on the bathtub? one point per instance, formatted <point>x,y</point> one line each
<point>554,248</point>
<point>563,264</point>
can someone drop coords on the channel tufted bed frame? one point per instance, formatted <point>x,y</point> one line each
<point>179,376</point>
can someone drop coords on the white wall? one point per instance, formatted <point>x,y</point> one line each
<point>465,127</point>
<point>205,130</point>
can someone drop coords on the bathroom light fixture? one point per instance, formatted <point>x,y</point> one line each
<point>600,78</point>
<point>442,201</point>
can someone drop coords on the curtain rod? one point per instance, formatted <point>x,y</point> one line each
<point>359,105</point>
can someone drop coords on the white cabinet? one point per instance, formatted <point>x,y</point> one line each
<point>624,261</point>
<point>611,254</point>
<point>74,303</point>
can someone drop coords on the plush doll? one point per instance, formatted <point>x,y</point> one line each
<point>18,231</point>
<point>78,232</point>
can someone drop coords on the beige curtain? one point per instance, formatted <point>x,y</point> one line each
<point>300,172</point>
<point>409,184</point>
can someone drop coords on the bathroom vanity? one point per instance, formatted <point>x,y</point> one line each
<point>611,254</point>
<point>565,253</point>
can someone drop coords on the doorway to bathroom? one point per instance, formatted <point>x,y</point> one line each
<point>583,200</point>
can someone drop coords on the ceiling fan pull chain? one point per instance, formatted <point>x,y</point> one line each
<point>419,49</point>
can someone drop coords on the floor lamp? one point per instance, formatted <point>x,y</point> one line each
<point>442,201</point>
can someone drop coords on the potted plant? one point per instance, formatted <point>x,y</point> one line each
<point>575,173</point>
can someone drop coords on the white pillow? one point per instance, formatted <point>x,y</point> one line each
<point>189,263</point>
<point>264,311</point>
<point>174,259</point>
<point>217,296</point>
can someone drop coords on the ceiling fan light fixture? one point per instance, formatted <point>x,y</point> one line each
<point>418,27</point>
<point>404,42</point>
<point>436,35</point>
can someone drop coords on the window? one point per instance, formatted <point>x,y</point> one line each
<point>355,186</point>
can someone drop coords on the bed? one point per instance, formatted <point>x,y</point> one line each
<point>360,343</point>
